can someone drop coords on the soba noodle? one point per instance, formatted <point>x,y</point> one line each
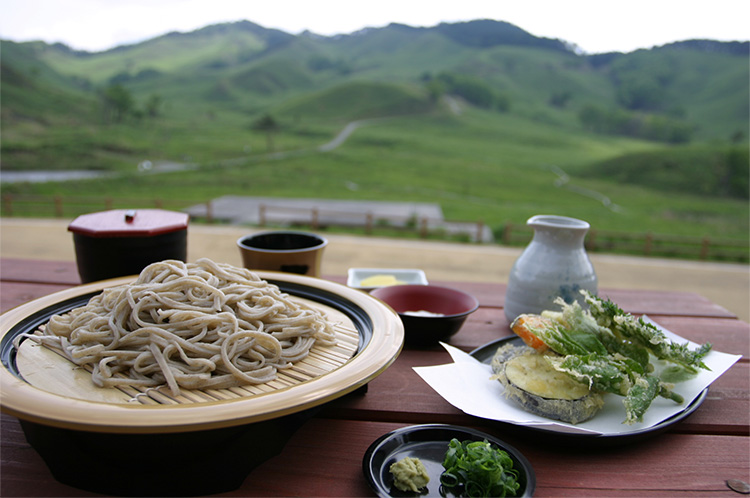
<point>202,325</point>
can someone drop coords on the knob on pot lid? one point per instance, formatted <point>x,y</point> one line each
<point>129,223</point>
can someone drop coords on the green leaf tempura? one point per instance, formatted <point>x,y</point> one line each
<point>611,352</point>
<point>646,335</point>
<point>640,396</point>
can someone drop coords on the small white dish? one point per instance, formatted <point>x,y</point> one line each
<point>367,278</point>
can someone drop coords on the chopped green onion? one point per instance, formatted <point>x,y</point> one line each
<point>477,468</point>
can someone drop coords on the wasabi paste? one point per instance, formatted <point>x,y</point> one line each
<point>409,474</point>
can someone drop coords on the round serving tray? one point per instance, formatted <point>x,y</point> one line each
<point>485,354</point>
<point>378,339</point>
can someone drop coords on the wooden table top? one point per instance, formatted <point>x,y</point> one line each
<point>696,456</point>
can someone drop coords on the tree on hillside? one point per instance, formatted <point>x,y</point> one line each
<point>735,180</point>
<point>560,98</point>
<point>118,102</point>
<point>153,105</point>
<point>269,126</point>
<point>473,89</point>
<point>619,121</point>
<point>640,94</point>
<point>434,86</point>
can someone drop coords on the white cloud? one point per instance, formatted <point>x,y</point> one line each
<point>594,25</point>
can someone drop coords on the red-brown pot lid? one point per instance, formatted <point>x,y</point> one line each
<point>129,223</point>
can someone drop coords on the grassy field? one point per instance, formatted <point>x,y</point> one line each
<point>524,145</point>
<point>478,165</point>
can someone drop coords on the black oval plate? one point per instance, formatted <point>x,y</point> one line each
<point>429,443</point>
<point>485,354</point>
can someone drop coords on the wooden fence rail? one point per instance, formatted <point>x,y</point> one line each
<point>646,244</point>
<point>510,234</point>
<point>317,218</point>
<point>61,207</point>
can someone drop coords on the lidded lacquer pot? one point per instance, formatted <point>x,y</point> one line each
<point>122,242</point>
<point>554,264</point>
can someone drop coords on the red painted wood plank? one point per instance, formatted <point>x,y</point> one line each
<point>325,455</point>
<point>633,301</point>
<point>40,271</point>
<point>22,470</point>
<point>489,294</point>
<point>670,464</point>
<point>727,336</point>
<point>324,458</point>
<point>665,464</point>
<point>13,294</point>
<point>641,302</point>
<point>725,409</point>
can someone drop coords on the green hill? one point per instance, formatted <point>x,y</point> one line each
<point>702,86</point>
<point>359,100</point>
<point>706,170</point>
<point>482,114</point>
<point>32,88</point>
<point>212,47</point>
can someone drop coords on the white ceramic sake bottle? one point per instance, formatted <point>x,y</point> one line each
<point>555,263</point>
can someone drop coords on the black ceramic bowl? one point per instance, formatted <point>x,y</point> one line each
<point>430,313</point>
<point>429,443</point>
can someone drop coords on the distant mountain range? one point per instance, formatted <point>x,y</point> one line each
<point>694,89</point>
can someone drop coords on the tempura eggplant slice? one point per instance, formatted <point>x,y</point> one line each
<point>531,381</point>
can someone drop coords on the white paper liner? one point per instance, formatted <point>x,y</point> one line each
<point>467,385</point>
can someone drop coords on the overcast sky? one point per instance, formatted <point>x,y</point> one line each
<point>594,25</point>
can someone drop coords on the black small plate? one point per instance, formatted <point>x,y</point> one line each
<point>487,352</point>
<point>429,443</point>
